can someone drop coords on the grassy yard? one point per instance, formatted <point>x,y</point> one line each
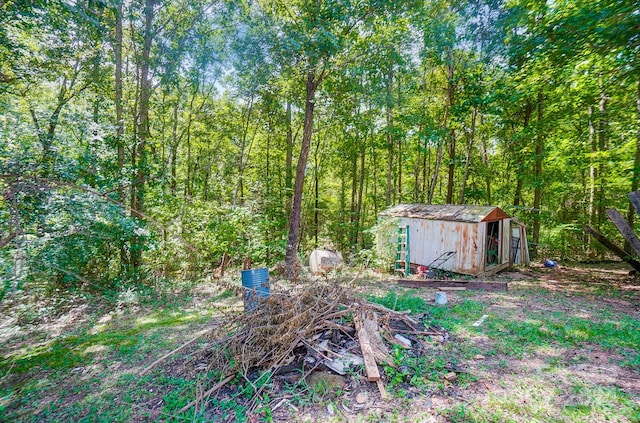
<point>562,345</point>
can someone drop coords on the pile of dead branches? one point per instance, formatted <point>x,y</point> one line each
<point>320,324</point>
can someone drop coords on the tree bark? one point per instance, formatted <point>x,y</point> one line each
<point>359,206</point>
<point>517,198</point>
<point>291,259</point>
<point>434,177</point>
<point>537,191</point>
<point>238,195</point>
<point>593,170</point>
<point>467,163</point>
<point>143,133</point>
<point>603,125</point>
<point>485,162</point>
<point>635,177</point>
<point>452,137</point>
<point>390,140</point>
<point>117,51</point>
<point>288,178</point>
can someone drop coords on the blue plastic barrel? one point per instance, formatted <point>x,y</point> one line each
<point>255,284</point>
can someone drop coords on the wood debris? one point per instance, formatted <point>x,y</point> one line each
<point>314,327</point>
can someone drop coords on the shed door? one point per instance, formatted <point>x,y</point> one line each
<point>494,248</point>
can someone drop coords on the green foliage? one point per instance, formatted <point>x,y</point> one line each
<point>515,104</point>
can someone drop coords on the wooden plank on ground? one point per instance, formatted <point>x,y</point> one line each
<point>373,374</point>
<point>625,229</point>
<point>438,284</point>
<point>612,247</point>
<point>494,269</point>
<point>383,392</point>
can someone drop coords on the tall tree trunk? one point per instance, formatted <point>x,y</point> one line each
<point>238,195</point>
<point>173,152</point>
<point>374,154</point>
<point>635,178</point>
<point>517,197</point>
<point>436,170</point>
<point>426,169</point>
<point>593,170</point>
<point>143,134</point>
<point>603,129</point>
<point>117,51</point>
<point>537,191</point>
<point>390,140</point>
<point>291,259</point>
<point>467,163</point>
<point>289,159</point>
<point>359,207</point>
<point>452,137</point>
<point>485,162</point>
<point>354,192</point>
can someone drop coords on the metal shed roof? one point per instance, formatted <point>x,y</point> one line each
<point>465,213</point>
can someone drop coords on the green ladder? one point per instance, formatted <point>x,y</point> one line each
<point>403,258</point>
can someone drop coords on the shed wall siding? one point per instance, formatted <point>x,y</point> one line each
<point>429,239</point>
<point>506,240</point>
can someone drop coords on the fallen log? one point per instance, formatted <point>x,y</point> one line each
<point>437,284</point>
<point>625,229</point>
<point>612,247</point>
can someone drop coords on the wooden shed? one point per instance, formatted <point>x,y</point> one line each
<point>466,239</point>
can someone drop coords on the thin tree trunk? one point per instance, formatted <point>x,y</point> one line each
<point>467,163</point>
<point>288,167</point>
<point>117,50</point>
<point>316,188</point>
<point>390,140</point>
<point>452,138</point>
<point>354,190</point>
<point>517,198</point>
<point>238,195</point>
<point>374,153</point>
<point>291,259</point>
<point>593,170</point>
<point>174,149</point>
<point>485,162</point>
<point>436,170</point>
<point>537,192</point>
<point>426,169</point>
<point>143,133</point>
<point>359,207</point>
<point>635,178</point>
<point>603,128</point>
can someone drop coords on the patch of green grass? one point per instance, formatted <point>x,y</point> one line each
<point>400,302</point>
<point>79,348</point>
<point>515,335</point>
<point>535,400</point>
<point>223,296</point>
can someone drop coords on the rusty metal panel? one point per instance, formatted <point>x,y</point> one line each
<point>430,239</point>
<point>457,213</point>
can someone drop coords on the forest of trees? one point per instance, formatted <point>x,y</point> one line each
<point>142,140</point>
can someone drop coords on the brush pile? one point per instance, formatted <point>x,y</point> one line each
<point>311,327</point>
